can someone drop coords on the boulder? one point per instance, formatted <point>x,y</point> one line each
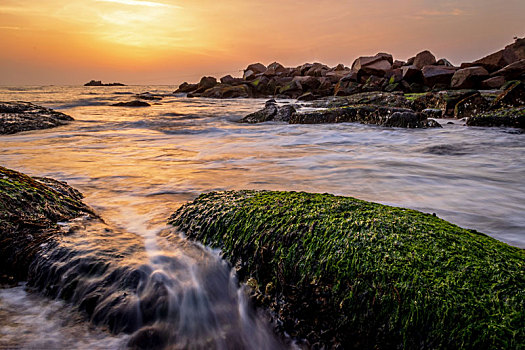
<point>373,83</point>
<point>468,78</point>
<point>228,91</point>
<point>248,75</point>
<point>317,70</point>
<point>135,103</point>
<point>506,117</point>
<point>274,69</point>
<point>510,54</point>
<point>432,113</point>
<point>307,83</point>
<point>206,83</point>
<point>409,119</point>
<point>469,106</point>
<point>513,96</point>
<point>493,83</point>
<point>444,62</point>
<point>284,113</point>
<point>434,75</point>
<point>398,64</point>
<point>412,74</point>
<point>513,71</point>
<point>335,76</point>
<point>293,89</point>
<point>257,68</point>
<point>266,114</point>
<point>185,88</point>
<point>375,65</point>
<point>340,67</point>
<point>424,58</point>
<point>346,88</point>
<point>229,80</point>
<point>23,116</point>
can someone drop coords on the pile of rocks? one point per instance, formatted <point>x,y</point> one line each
<point>421,73</point>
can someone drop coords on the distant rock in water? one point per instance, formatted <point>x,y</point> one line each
<point>135,103</point>
<point>23,116</point>
<point>100,83</point>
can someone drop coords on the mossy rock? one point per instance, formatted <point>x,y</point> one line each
<point>30,209</point>
<point>350,273</point>
<point>506,117</point>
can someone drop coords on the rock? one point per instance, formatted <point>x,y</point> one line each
<point>228,91</point>
<point>469,106</point>
<point>135,103</point>
<point>424,58</point>
<point>99,83</point>
<point>513,96</point>
<point>292,89</point>
<point>284,113</point>
<point>343,268</point>
<point>432,113</point>
<point>307,83</point>
<point>268,113</point>
<point>493,83</point>
<point>398,64</point>
<point>249,75</point>
<point>340,67</point>
<point>434,75</point>
<point>275,69</point>
<point>149,97</point>
<point>185,88</point>
<point>444,62</point>
<point>346,88</point>
<point>510,54</point>
<point>506,117</point>
<point>468,78</point>
<point>205,84</point>
<point>373,83</point>
<point>375,65</point>
<point>447,100</point>
<point>412,74</point>
<point>408,119</point>
<point>257,68</point>
<point>229,80</point>
<point>513,71</point>
<point>23,116</point>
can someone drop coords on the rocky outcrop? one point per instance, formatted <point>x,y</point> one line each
<point>30,209</point>
<point>504,117</point>
<point>135,103</point>
<point>23,116</point>
<point>100,83</point>
<point>270,112</point>
<point>338,272</point>
<point>381,72</point>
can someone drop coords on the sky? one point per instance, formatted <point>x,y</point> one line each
<point>69,42</point>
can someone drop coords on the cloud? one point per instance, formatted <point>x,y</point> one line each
<point>139,3</point>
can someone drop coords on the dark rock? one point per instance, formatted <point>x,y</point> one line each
<point>317,70</point>
<point>447,100</point>
<point>510,54</point>
<point>268,113</point>
<point>506,117</point>
<point>408,119</point>
<point>424,58</point>
<point>185,88</point>
<point>412,74</point>
<point>375,65</point>
<point>229,80</point>
<point>432,113</point>
<point>468,78</point>
<point>514,70</point>
<point>513,96</point>
<point>398,64</point>
<point>493,83</point>
<point>307,83</point>
<point>257,68</point>
<point>346,88</point>
<point>444,62</point>
<point>284,113</point>
<point>469,106</point>
<point>135,103</point>
<point>306,97</point>
<point>373,83</point>
<point>149,97</point>
<point>228,91</point>
<point>149,338</point>
<point>99,83</point>
<point>205,84</point>
<point>249,75</point>
<point>433,75</point>
<point>23,116</point>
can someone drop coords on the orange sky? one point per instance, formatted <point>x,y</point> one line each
<point>169,41</point>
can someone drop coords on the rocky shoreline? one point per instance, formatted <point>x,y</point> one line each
<point>487,92</point>
<point>24,116</point>
<point>342,273</point>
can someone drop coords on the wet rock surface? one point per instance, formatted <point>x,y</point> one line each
<point>338,272</point>
<point>135,103</point>
<point>24,116</point>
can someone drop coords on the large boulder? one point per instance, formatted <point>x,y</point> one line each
<point>424,58</point>
<point>257,68</point>
<point>375,65</point>
<point>468,78</point>
<point>348,274</point>
<point>513,96</point>
<point>23,116</point>
<point>228,91</point>
<point>513,71</point>
<point>185,88</point>
<point>506,117</point>
<point>308,83</point>
<point>206,83</point>
<point>510,54</point>
<point>229,80</point>
<point>470,105</point>
<point>275,68</point>
<point>270,112</point>
<point>438,75</point>
<point>412,74</point>
<point>493,83</point>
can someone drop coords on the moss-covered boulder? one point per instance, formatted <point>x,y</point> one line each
<point>338,271</point>
<point>507,117</point>
<point>30,209</point>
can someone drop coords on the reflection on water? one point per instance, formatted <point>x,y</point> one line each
<point>136,166</point>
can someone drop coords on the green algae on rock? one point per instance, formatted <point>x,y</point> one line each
<point>339,271</point>
<point>507,117</point>
<point>30,209</point>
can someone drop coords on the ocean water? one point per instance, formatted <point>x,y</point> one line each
<point>135,166</point>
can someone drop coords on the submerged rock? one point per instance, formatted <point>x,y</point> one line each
<point>353,274</point>
<point>136,103</point>
<point>271,111</point>
<point>23,116</point>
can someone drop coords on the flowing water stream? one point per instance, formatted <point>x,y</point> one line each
<point>135,166</point>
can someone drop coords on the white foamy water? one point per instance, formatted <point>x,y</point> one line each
<point>137,165</point>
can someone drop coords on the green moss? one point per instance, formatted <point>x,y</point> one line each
<point>367,275</point>
<point>412,97</point>
<point>508,117</point>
